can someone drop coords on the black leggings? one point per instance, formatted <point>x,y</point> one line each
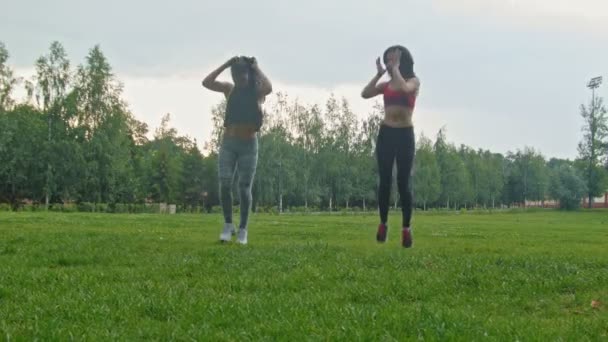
<point>400,144</point>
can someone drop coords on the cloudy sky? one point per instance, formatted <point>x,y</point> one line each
<point>499,74</point>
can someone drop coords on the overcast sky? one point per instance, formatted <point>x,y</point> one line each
<point>499,74</point>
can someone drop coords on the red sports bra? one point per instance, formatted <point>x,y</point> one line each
<point>396,98</point>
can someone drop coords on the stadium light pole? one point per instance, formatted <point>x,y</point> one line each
<point>593,84</point>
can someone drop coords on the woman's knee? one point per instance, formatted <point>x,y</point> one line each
<point>225,184</point>
<point>385,180</point>
<point>245,186</point>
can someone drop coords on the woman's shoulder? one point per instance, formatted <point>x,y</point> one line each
<point>414,79</point>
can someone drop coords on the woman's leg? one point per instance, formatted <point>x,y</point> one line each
<point>405,160</point>
<point>385,154</point>
<point>247,164</point>
<point>226,166</point>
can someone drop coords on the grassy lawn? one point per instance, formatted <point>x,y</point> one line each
<point>501,276</point>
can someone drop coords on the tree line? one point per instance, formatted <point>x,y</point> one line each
<point>74,140</point>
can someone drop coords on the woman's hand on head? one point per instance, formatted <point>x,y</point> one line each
<point>379,67</point>
<point>231,61</point>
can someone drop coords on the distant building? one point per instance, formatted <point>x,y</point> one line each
<point>598,202</point>
<point>542,204</point>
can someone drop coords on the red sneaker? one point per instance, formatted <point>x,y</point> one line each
<point>406,237</point>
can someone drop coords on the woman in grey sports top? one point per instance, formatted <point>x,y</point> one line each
<point>239,146</point>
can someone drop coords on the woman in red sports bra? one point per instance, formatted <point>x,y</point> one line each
<point>396,140</point>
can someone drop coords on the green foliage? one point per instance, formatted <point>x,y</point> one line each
<point>427,179</point>
<point>456,188</point>
<point>8,81</point>
<point>593,149</point>
<point>75,141</point>
<point>528,176</point>
<point>568,187</point>
<point>22,171</point>
<point>86,207</point>
<point>192,177</point>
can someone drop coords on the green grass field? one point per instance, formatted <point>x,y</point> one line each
<point>501,276</point>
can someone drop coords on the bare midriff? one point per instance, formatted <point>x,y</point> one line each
<point>242,131</point>
<point>398,116</point>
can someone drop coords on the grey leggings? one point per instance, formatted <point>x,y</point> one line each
<point>242,155</point>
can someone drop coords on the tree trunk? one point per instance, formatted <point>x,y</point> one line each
<point>306,193</point>
<point>590,164</point>
<point>48,171</point>
<point>364,204</point>
<point>13,196</point>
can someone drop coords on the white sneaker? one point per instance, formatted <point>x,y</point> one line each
<point>226,235</point>
<point>242,238</point>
